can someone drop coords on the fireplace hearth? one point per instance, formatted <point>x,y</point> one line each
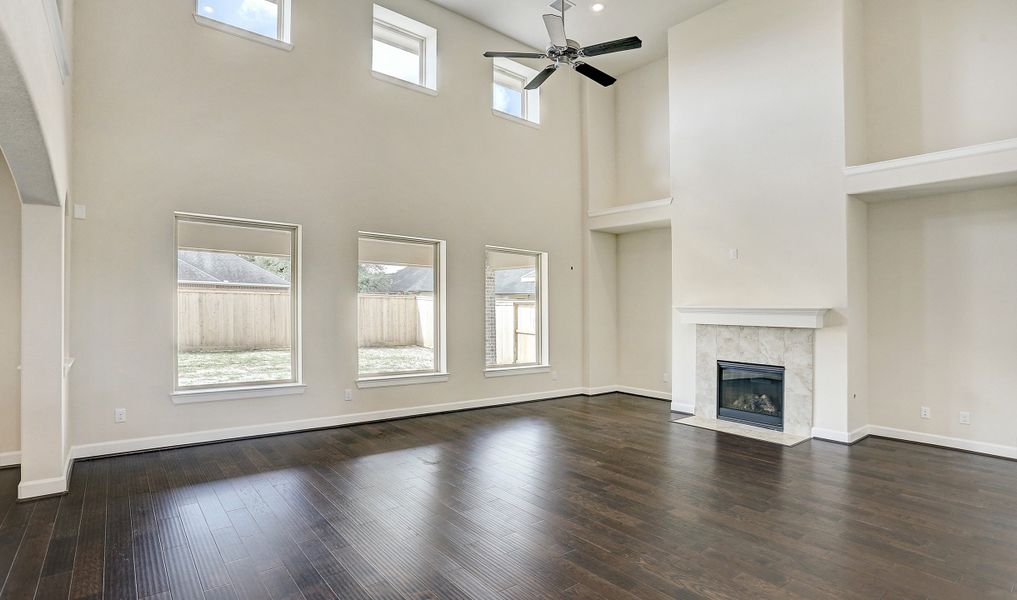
<point>751,394</point>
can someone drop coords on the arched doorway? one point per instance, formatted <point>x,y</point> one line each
<point>34,120</point>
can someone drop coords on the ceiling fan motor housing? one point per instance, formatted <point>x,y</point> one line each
<point>568,53</point>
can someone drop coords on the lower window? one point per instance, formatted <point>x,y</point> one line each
<point>237,303</point>
<point>399,285</point>
<point>515,308</point>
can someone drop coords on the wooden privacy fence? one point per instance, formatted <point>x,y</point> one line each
<point>395,320</point>
<point>219,320</point>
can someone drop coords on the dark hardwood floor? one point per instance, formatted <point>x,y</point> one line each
<point>573,498</point>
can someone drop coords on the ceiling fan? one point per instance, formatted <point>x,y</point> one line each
<point>566,52</point>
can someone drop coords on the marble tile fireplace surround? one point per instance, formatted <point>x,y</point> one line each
<point>772,337</point>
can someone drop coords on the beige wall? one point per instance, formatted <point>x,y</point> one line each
<point>644,310</point>
<point>641,124</point>
<point>601,310</point>
<point>757,157</point>
<point>941,309</point>
<point>857,314</point>
<point>940,74</point>
<point>175,116</point>
<point>599,145</point>
<point>10,313</point>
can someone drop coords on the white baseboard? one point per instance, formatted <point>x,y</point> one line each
<point>47,487</point>
<point>915,436</point>
<point>689,409</point>
<point>624,389</point>
<point>843,437</point>
<point>216,435</point>
<point>946,441</point>
<point>10,459</point>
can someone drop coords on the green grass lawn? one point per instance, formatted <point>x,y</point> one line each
<point>214,368</point>
<point>395,359</point>
<point>210,368</point>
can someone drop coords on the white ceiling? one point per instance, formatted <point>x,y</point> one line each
<point>648,19</point>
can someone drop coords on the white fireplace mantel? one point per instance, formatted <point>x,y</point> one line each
<point>799,318</point>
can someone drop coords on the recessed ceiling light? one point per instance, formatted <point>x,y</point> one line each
<point>597,7</point>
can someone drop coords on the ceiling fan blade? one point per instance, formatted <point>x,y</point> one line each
<point>629,43</point>
<point>595,74</point>
<point>541,77</point>
<point>514,55</point>
<point>556,30</point>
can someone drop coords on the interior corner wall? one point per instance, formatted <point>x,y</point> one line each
<point>855,98</point>
<point>941,315</point>
<point>757,158</point>
<point>10,316</point>
<point>939,75</point>
<point>179,117</point>
<point>601,311</point>
<point>643,135</point>
<point>644,310</point>
<point>858,317</point>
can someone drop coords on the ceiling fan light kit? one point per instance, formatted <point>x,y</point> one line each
<point>569,53</point>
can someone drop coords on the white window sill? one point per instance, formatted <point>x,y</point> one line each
<point>514,119</point>
<point>242,33</point>
<point>394,380</point>
<point>237,393</point>
<point>510,371</point>
<point>403,83</point>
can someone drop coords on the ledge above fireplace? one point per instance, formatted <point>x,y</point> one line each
<point>795,318</point>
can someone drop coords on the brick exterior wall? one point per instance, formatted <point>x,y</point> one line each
<point>491,343</point>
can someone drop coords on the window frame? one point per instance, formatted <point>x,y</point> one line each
<point>542,317</point>
<point>254,389</point>
<point>282,39</point>
<point>399,25</point>
<point>530,98</point>
<point>440,371</point>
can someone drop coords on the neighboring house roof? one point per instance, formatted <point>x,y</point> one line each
<point>515,281</point>
<point>419,280</point>
<point>410,280</point>
<point>222,267</point>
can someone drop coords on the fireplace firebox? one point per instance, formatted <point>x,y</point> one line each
<point>751,394</point>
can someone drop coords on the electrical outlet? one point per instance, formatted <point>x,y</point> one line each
<point>733,253</point>
<point>120,415</point>
<point>667,378</point>
<point>926,413</point>
<point>965,418</point>
<point>349,395</point>
<point>554,375</point>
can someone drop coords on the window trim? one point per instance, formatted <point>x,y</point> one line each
<point>530,98</point>
<point>440,371</point>
<point>237,393</point>
<point>428,36</point>
<point>253,389</point>
<point>281,41</point>
<point>543,364</point>
<point>398,35</point>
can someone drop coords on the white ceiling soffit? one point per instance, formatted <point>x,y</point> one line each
<point>648,19</point>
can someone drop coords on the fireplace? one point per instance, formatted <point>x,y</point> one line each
<point>751,394</point>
